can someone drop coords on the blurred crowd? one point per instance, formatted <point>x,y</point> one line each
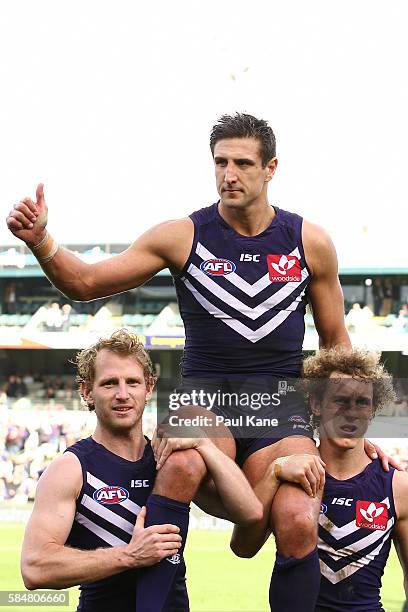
<point>55,317</point>
<point>28,443</point>
<point>23,391</point>
<point>362,319</point>
<point>39,418</point>
<point>30,440</point>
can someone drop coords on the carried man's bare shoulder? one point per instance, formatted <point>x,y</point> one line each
<point>325,293</point>
<point>171,240</point>
<point>319,248</point>
<point>400,491</point>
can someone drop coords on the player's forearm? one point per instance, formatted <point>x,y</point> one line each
<point>330,340</point>
<point>58,567</point>
<point>248,539</point>
<point>207,498</point>
<point>232,487</point>
<point>65,270</point>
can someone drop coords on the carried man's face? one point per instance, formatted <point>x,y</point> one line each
<point>119,392</point>
<point>239,173</point>
<point>346,410</point>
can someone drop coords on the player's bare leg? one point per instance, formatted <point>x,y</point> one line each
<point>183,476</point>
<point>294,517</point>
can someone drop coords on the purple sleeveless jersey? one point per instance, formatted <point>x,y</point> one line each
<point>355,530</point>
<point>243,299</point>
<point>113,492</point>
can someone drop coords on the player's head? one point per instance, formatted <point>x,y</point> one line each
<point>243,149</point>
<point>242,125</point>
<point>105,362</point>
<point>346,388</point>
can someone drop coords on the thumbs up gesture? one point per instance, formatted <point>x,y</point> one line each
<point>28,220</point>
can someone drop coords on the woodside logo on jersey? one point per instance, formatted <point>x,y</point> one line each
<point>284,268</point>
<point>371,515</point>
<point>217,267</point>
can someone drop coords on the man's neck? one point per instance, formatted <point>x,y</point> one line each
<point>129,445</point>
<point>249,221</point>
<point>342,463</point>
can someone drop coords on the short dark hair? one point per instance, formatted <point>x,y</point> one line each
<point>242,125</point>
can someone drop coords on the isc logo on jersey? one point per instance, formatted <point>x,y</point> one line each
<point>217,267</point>
<point>284,269</point>
<point>342,501</point>
<point>371,515</point>
<point>110,495</point>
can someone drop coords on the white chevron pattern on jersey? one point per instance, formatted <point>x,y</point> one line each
<point>351,568</point>
<point>106,536</point>
<point>251,313</point>
<point>374,536</point>
<point>107,514</point>
<point>98,484</point>
<point>241,283</point>
<point>249,334</point>
<point>341,532</point>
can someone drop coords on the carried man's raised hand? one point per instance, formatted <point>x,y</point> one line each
<point>27,220</point>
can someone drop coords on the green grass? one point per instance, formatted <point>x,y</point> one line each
<point>217,581</point>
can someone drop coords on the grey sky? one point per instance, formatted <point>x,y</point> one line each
<point>110,105</point>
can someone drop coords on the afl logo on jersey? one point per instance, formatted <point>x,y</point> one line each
<point>323,508</point>
<point>296,418</point>
<point>217,267</point>
<point>110,495</point>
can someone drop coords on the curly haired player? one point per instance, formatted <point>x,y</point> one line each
<point>363,507</point>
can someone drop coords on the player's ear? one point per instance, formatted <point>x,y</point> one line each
<point>271,168</point>
<point>150,382</point>
<point>86,393</point>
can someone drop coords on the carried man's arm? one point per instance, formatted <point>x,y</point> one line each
<point>165,245</point>
<point>305,470</point>
<point>47,563</point>
<point>400,490</point>
<point>326,295</point>
<point>232,497</point>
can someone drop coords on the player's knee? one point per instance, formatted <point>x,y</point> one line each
<point>242,552</point>
<point>183,465</point>
<point>296,530</point>
<point>299,521</point>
